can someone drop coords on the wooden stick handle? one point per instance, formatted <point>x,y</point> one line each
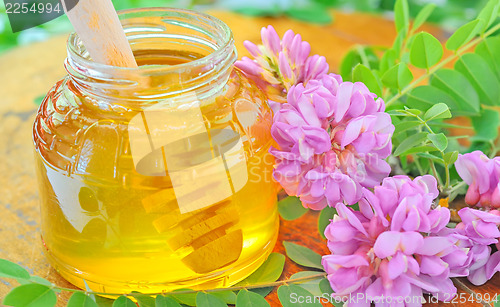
<point>100,30</point>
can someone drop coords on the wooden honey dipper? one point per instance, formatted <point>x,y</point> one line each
<point>101,32</point>
<point>207,236</point>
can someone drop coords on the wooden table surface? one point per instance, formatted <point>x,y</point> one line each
<point>29,72</point>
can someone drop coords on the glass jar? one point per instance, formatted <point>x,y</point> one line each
<point>158,177</point>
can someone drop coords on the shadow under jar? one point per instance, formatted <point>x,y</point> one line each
<point>157,178</point>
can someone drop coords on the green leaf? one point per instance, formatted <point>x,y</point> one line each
<point>353,58</point>
<point>405,113</point>
<point>396,119</point>
<point>290,208</point>
<point>36,280</point>
<point>404,75</point>
<point>397,77</point>
<point>184,298</point>
<point>480,75</point>
<point>349,61</point>
<point>423,15</point>
<point>311,285</point>
<point>448,125</point>
<point>427,155</point>
<point>79,299</point>
<point>324,219</point>
<point>450,157</point>
<point>437,111</point>
<point>396,113</point>
<point>425,97</point>
<point>425,165</point>
<point>144,300</point>
<point>419,149</point>
<point>324,286</point>
<point>31,295</point>
<point>388,60</point>
<point>489,13</point>
<point>361,73</point>
<point>247,298</point>
<point>426,50</point>
<point>124,301</point>
<point>486,126</point>
<point>103,301</point>
<point>401,15</point>
<point>404,161</point>
<point>268,272</point>
<point>413,112</point>
<point>164,301</point>
<point>228,297</point>
<point>410,142</point>
<point>208,300</point>
<point>10,269</point>
<point>398,43</point>
<point>262,291</point>
<point>439,140</point>
<point>406,125</point>
<point>313,13</point>
<point>456,85</point>
<point>464,34</point>
<point>489,49</point>
<point>296,296</point>
<point>303,255</point>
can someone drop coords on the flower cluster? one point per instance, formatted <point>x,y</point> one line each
<point>281,63</point>
<point>476,232</point>
<point>397,244</point>
<point>332,138</point>
<point>483,177</point>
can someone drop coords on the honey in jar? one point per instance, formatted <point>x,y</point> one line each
<point>158,177</point>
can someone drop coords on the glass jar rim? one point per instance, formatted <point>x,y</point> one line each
<point>228,42</point>
<point>207,40</point>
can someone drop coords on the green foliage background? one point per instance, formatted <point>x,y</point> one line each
<point>449,13</point>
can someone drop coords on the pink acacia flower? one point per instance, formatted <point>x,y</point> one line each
<point>408,204</point>
<point>332,138</point>
<point>281,62</point>
<point>476,232</point>
<point>390,247</point>
<point>483,177</point>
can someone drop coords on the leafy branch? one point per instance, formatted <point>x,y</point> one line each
<point>441,64</point>
<point>438,140</point>
<point>470,88</point>
<point>187,291</point>
<point>249,292</point>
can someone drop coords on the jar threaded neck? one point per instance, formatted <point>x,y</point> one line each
<point>157,31</point>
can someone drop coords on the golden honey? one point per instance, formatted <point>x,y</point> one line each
<point>160,178</point>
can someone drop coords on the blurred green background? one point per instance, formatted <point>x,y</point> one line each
<point>449,13</point>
